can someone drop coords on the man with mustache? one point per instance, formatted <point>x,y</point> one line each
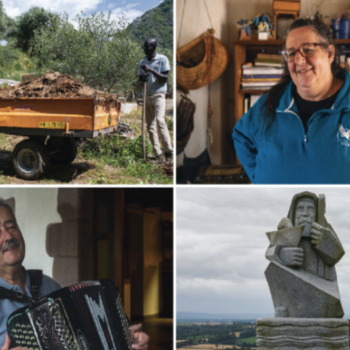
<point>306,271</point>
<point>14,277</point>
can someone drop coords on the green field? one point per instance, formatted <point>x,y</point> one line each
<point>251,340</point>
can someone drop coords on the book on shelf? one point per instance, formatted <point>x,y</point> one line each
<point>262,71</point>
<point>262,76</point>
<point>258,84</point>
<point>269,56</point>
<point>249,102</point>
<point>253,99</point>
<point>260,80</point>
<point>249,88</point>
<point>246,105</point>
<point>268,63</point>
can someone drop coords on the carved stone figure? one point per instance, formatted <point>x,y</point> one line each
<point>302,254</point>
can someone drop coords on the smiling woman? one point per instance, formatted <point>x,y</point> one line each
<point>298,131</point>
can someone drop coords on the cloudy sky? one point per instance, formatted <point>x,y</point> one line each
<point>221,244</point>
<point>132,9</point>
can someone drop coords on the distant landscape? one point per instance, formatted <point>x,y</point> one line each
<point>222,317</point>
<point>216,335</point>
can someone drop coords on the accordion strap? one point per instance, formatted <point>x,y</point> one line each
<point>35,281</point>
<point>13,296</point>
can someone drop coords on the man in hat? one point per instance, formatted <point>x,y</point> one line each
<point>154,69</point>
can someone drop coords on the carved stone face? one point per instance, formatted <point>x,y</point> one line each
<point>305,212</point>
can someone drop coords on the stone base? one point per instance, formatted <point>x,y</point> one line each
<point>302,333</point>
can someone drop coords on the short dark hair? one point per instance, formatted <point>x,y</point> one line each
<point>152,42</point>
<point>316,23</point>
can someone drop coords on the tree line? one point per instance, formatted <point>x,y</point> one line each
<point>96,49</point>
<point>215,334</point>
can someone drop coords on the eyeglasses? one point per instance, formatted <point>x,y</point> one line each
<point>306,50</point>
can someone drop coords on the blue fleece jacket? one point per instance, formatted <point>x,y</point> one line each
<point>285,153</point>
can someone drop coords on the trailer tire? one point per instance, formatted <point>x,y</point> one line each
<point>30,159</point>
<point>64,150</point>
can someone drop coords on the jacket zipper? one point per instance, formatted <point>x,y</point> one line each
<point>305,133</point>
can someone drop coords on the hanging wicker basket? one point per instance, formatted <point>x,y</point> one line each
<point>184,123</point>
<point>192,61</point>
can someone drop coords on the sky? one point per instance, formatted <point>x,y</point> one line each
<point>221,243</point>
<point>132,9</point>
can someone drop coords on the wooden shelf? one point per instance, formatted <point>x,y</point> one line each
<point>253,91</point>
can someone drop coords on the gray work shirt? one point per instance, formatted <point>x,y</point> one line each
<point>159,63</point>
<point>48,285</point>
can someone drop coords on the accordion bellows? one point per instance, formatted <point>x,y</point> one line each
<point>86,316</point>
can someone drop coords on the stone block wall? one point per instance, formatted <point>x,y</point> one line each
<point>70,243</point>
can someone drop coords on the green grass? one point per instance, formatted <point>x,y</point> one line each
<point>251,340</point>
<point>126,155</point>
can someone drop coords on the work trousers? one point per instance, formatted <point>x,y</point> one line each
<point>155,116</point>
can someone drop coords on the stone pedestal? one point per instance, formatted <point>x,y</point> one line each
<point>302,333</point>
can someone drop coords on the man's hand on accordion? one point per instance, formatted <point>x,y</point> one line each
<point>140,339</point>
<point>7,344</point>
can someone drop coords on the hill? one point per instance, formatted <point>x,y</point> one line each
<point>155,23</point>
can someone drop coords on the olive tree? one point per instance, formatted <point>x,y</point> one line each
<point>97,51</point>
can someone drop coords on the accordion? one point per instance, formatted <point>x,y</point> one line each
<point>86,316</point>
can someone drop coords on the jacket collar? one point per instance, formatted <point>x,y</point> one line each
<point>287,103</point>
<point>153,58</point>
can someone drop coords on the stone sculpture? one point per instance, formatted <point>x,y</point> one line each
<point>302,254</point>
<point>303,282</point>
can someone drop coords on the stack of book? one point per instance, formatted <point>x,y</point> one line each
<point>266,72</point>
<point>260,77</point>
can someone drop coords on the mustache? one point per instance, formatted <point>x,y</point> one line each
<point>9,243</point>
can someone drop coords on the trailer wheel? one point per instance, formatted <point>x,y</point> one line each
<point>30,159</point>
<point>62,150</point>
